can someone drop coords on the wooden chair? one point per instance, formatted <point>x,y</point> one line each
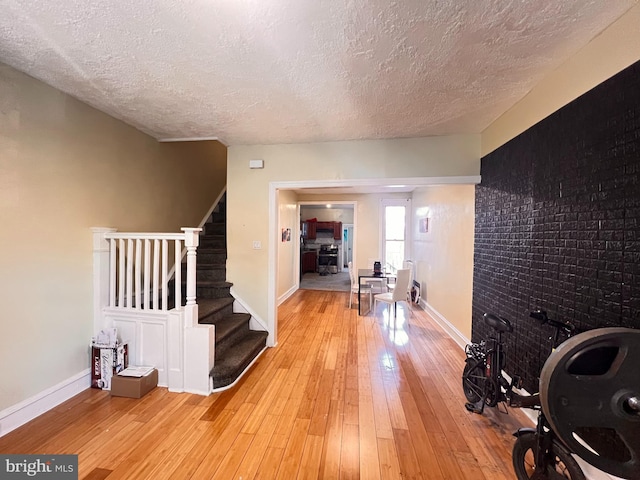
<point>398,294</point>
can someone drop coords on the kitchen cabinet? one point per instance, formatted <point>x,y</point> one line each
<point>309,261</point>
<point>337,230</point>
<point>309,230</point>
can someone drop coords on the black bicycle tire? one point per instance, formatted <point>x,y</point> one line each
<point>492,393</point>
<point>526,442</point>
<point>469,367</point>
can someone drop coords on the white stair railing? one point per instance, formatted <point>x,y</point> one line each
<point>131,293</point>
<point>139,269</point>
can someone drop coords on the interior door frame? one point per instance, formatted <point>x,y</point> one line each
<point>272,304</point>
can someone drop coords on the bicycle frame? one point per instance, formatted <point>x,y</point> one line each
<point>490,357</point>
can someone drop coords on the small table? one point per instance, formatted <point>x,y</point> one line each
<point>365,273</point>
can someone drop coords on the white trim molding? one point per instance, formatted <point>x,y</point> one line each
<point>188,139</point>
<point>282,298</point>
<point>256,322</point>
<point>446,325</point>
<point>25,411</point>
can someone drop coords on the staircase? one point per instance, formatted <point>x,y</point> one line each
<point>236,346</point>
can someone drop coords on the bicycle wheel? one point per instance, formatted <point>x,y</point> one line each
<point>492,396</point>
<point>473,380</point>
<point>562,464</point>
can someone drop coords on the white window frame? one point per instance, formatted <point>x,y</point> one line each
<point>395,202</point>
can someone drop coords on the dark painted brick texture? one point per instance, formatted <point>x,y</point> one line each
<point>558,223</point>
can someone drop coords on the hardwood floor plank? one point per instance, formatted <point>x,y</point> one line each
<point>350,454</point>
<point>420,438</point>
<point>407,459</point>
<point>342,397</point>
<point>389,464</point>
<point>369,460</point>
<point>97,474</point>
<point>311,456</point>
<point>233,457</point>
<point>215,455</point>
<point>320,413</point>
<point>248,469</point>
<point>330,465</point>
<point>170,467</point>
<point>270,464</point>
<point>293,452</point>
<point>265,402</point>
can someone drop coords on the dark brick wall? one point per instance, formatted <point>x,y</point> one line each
<point>558,223</point>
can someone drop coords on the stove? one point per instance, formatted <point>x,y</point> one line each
<point>328,259</point>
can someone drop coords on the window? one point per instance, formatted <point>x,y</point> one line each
<point>395,244</point>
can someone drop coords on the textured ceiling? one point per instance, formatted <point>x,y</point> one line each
<point>277,71</point>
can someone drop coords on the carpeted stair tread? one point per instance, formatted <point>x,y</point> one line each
<point>207,306</point>
<point>236,359</point>
<point>213,241</point>
<point>211,250</point>
<point>230,325</point>
<point>213,283</point>
<point>211,266</point>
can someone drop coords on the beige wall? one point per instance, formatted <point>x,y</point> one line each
<point>249,195</point>
<point>444,254</point>
<point>288,259</point>
<point>324,214</point>
<point>64,168</point>
<point>607,54</point>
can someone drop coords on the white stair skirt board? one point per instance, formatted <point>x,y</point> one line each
<point>244,372</point>
<point>25,411</point>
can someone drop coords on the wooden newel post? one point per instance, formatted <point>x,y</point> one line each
<point>191,241</point>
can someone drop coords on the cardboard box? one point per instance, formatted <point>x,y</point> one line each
<point>105,363</point>
<point>134,387</point>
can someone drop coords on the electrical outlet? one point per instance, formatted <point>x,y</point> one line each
<point>257,244</point>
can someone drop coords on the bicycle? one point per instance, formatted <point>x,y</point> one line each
<point>537,453</point>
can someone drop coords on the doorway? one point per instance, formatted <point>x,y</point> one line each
<point>347,245</point>
<point>327,230</point>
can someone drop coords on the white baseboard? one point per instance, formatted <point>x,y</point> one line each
<point>287,294</point>
<point>25,411</point>
<point>447,326</point>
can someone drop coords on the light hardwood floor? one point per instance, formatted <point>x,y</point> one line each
<point>340,397</point>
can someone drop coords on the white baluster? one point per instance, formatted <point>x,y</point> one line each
<point>129,273</point>
<point>165,276</point>
<point>147,273</point>
<point>156,272</point>
<point>138,273</point>
<point>121,272</point>
<point>113,256</point>
<point>178,274</point>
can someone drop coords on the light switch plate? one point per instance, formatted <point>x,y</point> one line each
<point>257,244</point>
